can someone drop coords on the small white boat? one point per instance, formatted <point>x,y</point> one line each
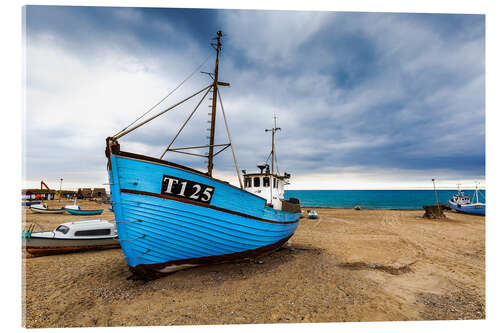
<point>313,215</point>
<point>44,209</point>
<point>72,237</point>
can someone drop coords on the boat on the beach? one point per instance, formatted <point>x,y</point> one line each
<point>268,183</point>
<point>72,237</point>
<point>42,208</point>
<point>84,211</point>
<point>30,203</point>
<point>171,216</point>
<point>463,204</point>
<point>312,214</point>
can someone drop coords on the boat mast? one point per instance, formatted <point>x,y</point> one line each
<point>214,107</point>
<point>476,194</point>
<point>271,180</point>
<point>273,130</point>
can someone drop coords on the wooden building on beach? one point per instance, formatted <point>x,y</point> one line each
<point>37,194</point>
<point>89,193</point>
<point>84,193</point>
<point>65,194</point>
<point>99,193</point>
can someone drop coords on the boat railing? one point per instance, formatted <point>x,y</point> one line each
<point>27,232</point>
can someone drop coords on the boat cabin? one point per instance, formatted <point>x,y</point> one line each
<point>461,199</point>
<point>266,185</point>
<point>84,229</point>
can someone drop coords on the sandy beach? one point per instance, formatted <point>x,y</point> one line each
<point>367,265</point>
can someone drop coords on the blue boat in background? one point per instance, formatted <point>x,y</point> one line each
<point>83,211</point>
<point>170,216</point>
<point>29,203</point>
<point>463,204</point>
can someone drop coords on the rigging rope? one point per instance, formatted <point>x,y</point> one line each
<point>230,141</point>
<point>164,98</point>
<point>182,127</point>
<point>267,159</point>
<point>275,159</point>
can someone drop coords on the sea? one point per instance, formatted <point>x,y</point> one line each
<point>374,199</point>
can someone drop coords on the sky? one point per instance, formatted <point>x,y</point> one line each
<point>364,100</point>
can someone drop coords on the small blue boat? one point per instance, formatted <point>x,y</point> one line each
<point>84,212</point>
<point>170,216</point>
<point>463,204</point>
<point>29,203</point>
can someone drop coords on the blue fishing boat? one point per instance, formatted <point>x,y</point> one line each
<point>84,211</point>
<point>463,204</point>
<point>170,216</point>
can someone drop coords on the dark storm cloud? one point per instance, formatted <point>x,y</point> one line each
<point>371,90</point>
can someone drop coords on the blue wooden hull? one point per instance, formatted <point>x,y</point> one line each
<point>469,209</point>
<point>84,212</point>
<point>29,203</point>
<point>157,230</point>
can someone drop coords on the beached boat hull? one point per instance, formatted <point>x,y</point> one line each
<point>47,210</point>
<point>475,209</point>
<point>84,212</point>
<point>159,228</point>
<point>47,246</point>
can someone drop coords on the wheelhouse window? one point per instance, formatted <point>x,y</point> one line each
<point>248,182</point>
<point>96,232</point>
<point>265,181</point>
<point>256,182</point>
<point>274,183</point>
<point>62,228</point>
